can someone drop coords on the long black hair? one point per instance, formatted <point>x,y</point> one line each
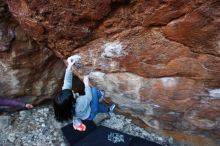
<point>63,105</point>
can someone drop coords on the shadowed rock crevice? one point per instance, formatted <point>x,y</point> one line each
<point>26,69</point>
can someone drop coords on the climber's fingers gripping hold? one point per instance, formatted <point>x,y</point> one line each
<point>75,59</point>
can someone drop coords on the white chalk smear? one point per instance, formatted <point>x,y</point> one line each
<point>113,49</point>
<point>214,93</point>
<point>169,82</point>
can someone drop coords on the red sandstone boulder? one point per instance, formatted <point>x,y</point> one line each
<point>159,60</point>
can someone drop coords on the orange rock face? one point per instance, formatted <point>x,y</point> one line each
<point>159,60</point>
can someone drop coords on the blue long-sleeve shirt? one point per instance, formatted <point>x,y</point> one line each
<point>67,84</point>
<point>82,107</point>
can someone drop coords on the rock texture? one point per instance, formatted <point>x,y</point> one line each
<point>26,69</point>
<point>158,59</point>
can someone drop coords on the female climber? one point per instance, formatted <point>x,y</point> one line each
<point>77,99</point>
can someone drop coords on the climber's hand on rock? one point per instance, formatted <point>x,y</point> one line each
<point>86,80</point>
<point>70,61</point>
<point>73,59</point>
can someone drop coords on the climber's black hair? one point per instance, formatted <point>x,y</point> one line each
<point>63,105</point>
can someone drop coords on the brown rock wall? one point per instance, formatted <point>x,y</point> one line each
<point>158,59</point>
<point>26,69</point>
